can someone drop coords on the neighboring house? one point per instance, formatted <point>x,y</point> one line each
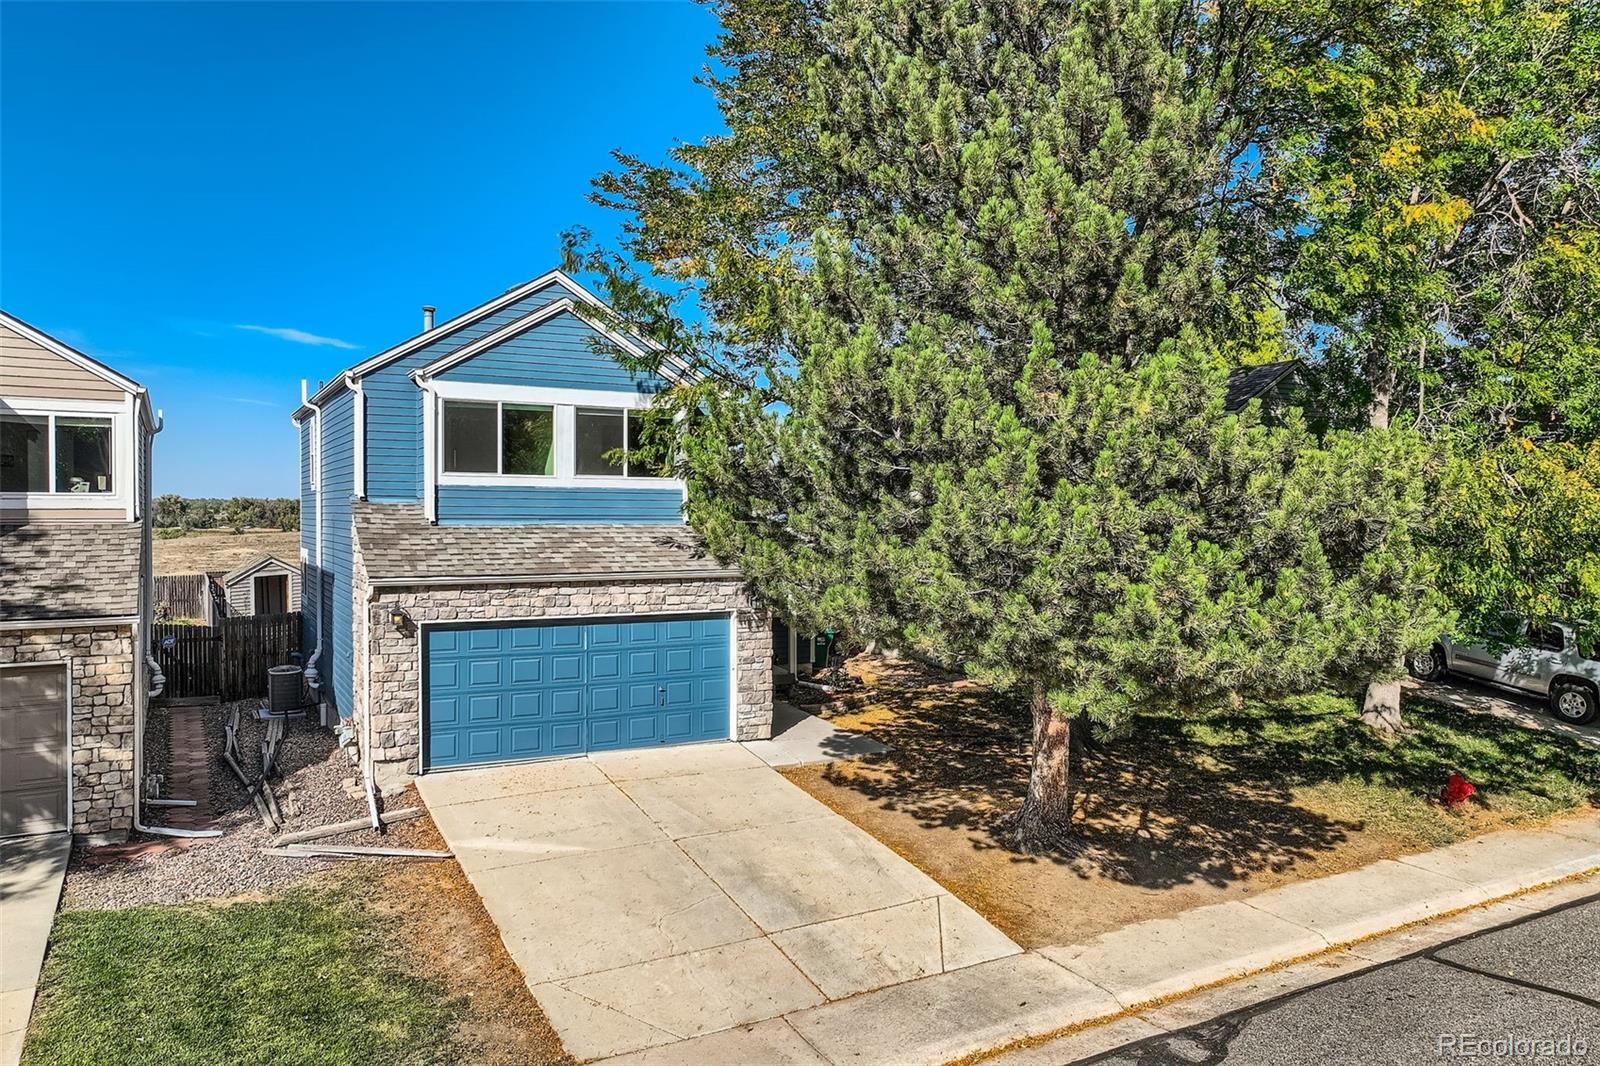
<point>264,585</point>
<point>75,448</point>
<point>1278,386</point>
<point>481,583</point>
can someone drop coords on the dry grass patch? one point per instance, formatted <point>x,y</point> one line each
<point>1180,813</point>
<point>204,551</point>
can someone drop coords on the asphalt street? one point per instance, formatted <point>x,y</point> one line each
<point>1528,992</point>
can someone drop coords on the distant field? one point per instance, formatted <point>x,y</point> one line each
<point>214,549</point>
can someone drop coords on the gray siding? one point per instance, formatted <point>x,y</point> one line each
<point>241,593</point>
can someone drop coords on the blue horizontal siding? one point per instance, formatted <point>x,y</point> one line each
<point>394,404</point>
<point>338,488</point>
<point>551,505</point>
<point>554,354</point>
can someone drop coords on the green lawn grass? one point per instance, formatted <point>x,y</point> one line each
<point>306,978</point>
<point>1342,769</point>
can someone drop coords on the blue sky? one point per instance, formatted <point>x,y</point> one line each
<point>220,199</point>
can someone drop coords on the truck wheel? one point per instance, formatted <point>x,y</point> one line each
<point>1573,702</point>
<point>1427,665</point>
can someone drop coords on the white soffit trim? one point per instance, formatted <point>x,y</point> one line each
<point>72,355</point>
<point>67,623</point>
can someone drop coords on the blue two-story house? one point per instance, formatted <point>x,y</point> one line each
<point>485,580</point>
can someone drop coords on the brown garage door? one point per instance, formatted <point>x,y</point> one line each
<point>33,749</point>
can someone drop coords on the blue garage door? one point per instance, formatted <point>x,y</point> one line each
<point>529,691</point>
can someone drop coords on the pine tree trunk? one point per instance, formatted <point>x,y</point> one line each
<point>1380,709</point>
<point>1045,821</point>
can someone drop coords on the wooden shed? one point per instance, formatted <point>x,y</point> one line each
<point>264,585</point>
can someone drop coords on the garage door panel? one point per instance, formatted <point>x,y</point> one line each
<point>605,666</point>
<point>533,690</point>
<point>33,750</point>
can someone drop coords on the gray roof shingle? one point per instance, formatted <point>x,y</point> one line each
<point>59,570</point>
<point>397,542</point>
<point>1245,383</point>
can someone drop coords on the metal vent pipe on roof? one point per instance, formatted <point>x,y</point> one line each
<point>427,318</point>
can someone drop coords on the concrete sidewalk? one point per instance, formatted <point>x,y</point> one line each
<point>967,1012</point>
<point>32,870</point>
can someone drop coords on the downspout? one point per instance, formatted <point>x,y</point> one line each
<point>312,678</point>
<point>142,698</point>
<point>366,708</point>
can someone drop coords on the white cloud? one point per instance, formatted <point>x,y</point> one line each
<point>300,336</point>
<point>248,400</point>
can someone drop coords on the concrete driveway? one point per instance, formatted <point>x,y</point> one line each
<point>1532,712</point>
<point>32,870</point>
<point>658,895</point>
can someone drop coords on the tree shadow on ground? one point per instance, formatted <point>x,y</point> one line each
<point>1211,799</point>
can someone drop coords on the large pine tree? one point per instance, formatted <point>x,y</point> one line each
<point>966,276</point>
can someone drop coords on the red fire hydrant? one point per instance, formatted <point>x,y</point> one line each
<point>1457,791</point>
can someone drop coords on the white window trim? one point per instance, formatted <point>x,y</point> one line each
<point>123,461</point>
<point>565,403</point>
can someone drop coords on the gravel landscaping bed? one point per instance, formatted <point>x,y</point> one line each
<point>317,785</point>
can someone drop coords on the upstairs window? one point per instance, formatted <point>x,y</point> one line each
<point>607,442</point>
<point>43,453</point>
<point>498,438</point>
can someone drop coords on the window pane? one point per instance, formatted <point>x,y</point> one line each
<point>638,465</point>
<point>24,455</point>
<point>528,435</point>
<point>470,438</point>
<point>83,454</point>
<point>597,433</point>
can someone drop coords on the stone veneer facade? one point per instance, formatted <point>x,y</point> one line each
<point>395,662</point>
<point>103,677</point>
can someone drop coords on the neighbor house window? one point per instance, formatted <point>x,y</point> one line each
<point>496,438</point>
<point>83,454</point>
<point>606,442</point>
<point>24,453</point>
<point>55,453</point>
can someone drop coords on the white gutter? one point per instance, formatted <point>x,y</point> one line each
<point>312,678</point>
<point>158,680</point>
<point>366,710</point>
<point>359,414</point>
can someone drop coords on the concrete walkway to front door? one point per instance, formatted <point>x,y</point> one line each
<point>658,895</point>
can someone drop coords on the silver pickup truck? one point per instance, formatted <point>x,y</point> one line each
<point>1543,659</point>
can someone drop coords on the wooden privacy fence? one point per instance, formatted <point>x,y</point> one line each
<point>187,596</point>
<point>229,660</point>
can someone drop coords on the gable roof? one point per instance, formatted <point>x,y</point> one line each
<point>579,296</point>
<point>253,565</point>
<point>72,355</point>
<point>516,327</point>
<point>1246,383</point>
